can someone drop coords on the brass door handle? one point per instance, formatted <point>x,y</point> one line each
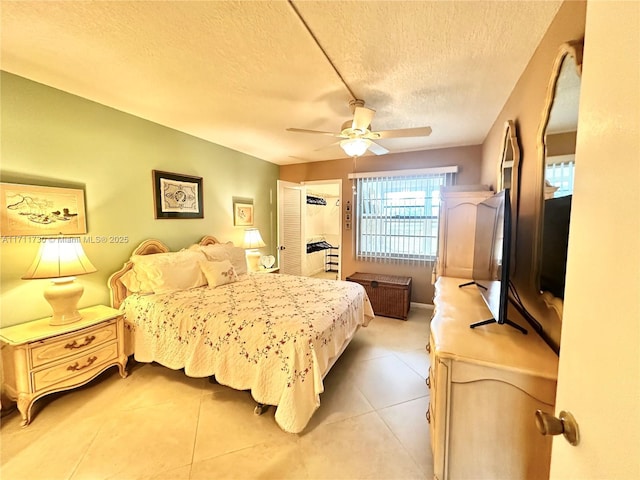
<point>566,425</point>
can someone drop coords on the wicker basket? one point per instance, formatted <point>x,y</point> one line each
<point>390,295</point>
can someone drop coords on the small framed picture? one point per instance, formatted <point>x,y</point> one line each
<point>242,212</point>
<point>32,210</point>
<point>177,196</point>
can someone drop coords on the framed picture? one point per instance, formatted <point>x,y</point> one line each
<point>32,210</point>
<point>242,212</point>
<point>177,196</point>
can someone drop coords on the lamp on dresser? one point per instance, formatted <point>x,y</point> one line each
<point>61,259</point>
<point>252,241</point>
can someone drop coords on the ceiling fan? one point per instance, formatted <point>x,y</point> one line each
<point>357,135</point>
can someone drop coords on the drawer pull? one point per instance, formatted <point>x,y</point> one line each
<point>75,367</point>
<point>87,341</point>
<point>429,416</point>
<point>428,348</point>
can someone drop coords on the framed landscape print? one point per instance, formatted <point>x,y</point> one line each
<point>33,210</point>
<point>177,196</point>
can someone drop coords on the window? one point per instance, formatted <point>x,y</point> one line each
<point>560,174</point>
<point>396,214</point>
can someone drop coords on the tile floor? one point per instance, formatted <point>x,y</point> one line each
<point>160,424</point>
<point>327,275</point>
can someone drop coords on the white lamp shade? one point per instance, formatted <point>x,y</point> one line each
<point>355,147</point>
<point>59,257</point>
<point>252,239</point>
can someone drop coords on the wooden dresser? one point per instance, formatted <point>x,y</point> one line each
<point>39,359</point>
<point>486,384</point>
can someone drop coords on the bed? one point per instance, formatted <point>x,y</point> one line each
<point>273,334</point>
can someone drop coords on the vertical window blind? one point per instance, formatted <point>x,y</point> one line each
<point>396,214</point>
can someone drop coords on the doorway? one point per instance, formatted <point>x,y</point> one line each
<point>323,229</point>
<point>310,228</point>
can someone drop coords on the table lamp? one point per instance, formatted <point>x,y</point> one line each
<point>252,241</point>
<point>60,259</point>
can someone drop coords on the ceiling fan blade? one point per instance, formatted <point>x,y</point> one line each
<point>362,117</point>
<point>377,149</point>
<point>318,132</point>
<point>402,132</point>
<point>324,147</point>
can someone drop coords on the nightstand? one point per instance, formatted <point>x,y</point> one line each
<point>39,358</point>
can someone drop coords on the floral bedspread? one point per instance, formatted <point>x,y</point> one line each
<point>276,335</point>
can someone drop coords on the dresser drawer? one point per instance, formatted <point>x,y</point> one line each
<point>58,348</point>
<point>76,369</point>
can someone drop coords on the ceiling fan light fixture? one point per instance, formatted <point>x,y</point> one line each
<point>355,147</point>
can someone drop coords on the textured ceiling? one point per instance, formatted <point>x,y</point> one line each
<point>239,73</point>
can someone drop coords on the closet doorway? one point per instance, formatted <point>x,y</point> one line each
<point>310,228</point>
<point>323,229</point>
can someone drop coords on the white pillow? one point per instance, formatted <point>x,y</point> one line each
<point>217,252</point>
<point>238,259</point>
<point>226,251</point>
<point>218,273</point>
<point>130,280</point>
<point>166,272</point>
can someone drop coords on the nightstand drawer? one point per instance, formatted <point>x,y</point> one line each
<point>58,348</point>
<point>75,370</point>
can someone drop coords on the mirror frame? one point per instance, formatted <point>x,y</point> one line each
<point>571,49</point>
<point>510,140</point>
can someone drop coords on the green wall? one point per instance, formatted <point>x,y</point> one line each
<point>52,138</point>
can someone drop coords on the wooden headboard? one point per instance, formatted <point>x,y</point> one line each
<point>208,240</point>
<point>117,290</point>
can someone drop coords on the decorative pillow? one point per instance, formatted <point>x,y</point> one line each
<point>219,273</point>
<point>226,251</point>
<point>166,272</point>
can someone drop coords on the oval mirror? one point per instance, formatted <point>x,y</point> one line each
<point>557,142</point>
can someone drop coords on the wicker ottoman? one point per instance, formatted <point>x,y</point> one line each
<point>390,295</point>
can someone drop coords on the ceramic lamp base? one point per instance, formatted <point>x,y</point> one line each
<point>63,295</point>
<point>253,260</point>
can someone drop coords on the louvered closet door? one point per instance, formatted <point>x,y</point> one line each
<point>290,227</point>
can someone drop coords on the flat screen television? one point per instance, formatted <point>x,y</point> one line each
<point>492,257</point>
<point>555,241</point>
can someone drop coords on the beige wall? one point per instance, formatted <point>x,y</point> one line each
<point>525,107</point>
<point>561,144</point>
<point>52,138</point>
<point>467,158</point>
